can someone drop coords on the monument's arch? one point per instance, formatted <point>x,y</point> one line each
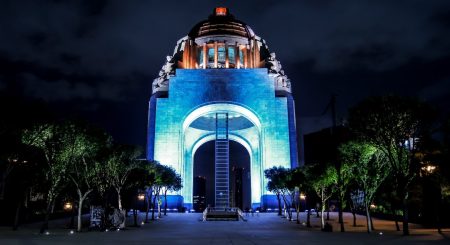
<point>222,84</point>
<point>245,128</point>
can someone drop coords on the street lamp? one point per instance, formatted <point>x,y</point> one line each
<point>141,196</point>
<point>68,206</point>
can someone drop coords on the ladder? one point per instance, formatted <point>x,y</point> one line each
<point>222,179</point>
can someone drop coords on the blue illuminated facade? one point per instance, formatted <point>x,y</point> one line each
<point>228,70</point>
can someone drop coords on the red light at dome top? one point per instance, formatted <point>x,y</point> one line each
<point>221,11</point>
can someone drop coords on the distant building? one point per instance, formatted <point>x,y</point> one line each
<point>321,147</point>
<point>199,197</point>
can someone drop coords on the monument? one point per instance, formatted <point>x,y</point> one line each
<point>222,84</point>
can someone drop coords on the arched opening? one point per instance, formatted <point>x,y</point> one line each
<point>199,128</point>
<point>203,174</point>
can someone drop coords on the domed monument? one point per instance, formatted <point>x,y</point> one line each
<point>222,84</point>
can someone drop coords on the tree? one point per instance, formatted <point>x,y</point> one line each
<point>344,179</point>
<point>279,182</point>
<point>84,145</point>
<point>394,125</point>
<point>150,179</point>
<point>171,182</point>
<point>323,182</point>
<point>51,139</point>
<point>368,166</point>
<point>120,163</point>
<point>296,182</point>
<point>274,184</point>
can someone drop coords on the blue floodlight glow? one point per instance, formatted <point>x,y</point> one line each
<point>248,95</point>
<point>221,66</point>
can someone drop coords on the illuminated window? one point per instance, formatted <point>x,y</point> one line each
<point>241,57</point>
<point>200,57</point>
<point>231,57</point>
<point>211,55</point>
<point>221,55</point>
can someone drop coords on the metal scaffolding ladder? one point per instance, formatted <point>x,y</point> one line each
<point>222,185</point>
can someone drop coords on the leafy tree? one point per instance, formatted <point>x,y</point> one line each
<point>84,146</point>
<point>296,181</point>
<point>171,182</point>
<point>119,165</point>
<point>51,139</point>
<point>323,182</point>
<point>345,177</point>
<point>280,182</point>
<point>275,183</point>
<point>151,179</point>
<point>393,125</point>
<point>368,166</point>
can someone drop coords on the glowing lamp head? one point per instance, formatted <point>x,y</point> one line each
<point>141,197</point>
<point>221,11</point>
<point>68,206</point>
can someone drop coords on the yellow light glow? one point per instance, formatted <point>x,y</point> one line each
<point>68,206</point>
<point>141,197</point>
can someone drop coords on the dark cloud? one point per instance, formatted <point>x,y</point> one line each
<point>102,55</point>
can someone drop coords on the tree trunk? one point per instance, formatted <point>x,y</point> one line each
<point>322,210</point>
<point>153,207</point>
<point>308,214</point>
<point>17,216</point>
<point>72,218</point>
<point>135,217</point>
<point>354,217</point>
<point>279,204</point>
<point>147,210</point>
<point>82,197</point>
<point>405,215</point>
<point>44,226</point>
<point>165,202</point>
<point>288,208</point>
<point>80,209</point>
<point>341,218</point>
<point>149,202</point>
<point>394,216</point>
<point>119,199</point>
<point>369,223</point>
<point>322,219</point>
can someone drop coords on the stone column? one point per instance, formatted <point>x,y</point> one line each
<point>215,54</point>
<point>205,55</point>
<point>237,62</point>
<point>227,62</point>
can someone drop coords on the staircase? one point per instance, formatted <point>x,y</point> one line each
<point>222,186</point>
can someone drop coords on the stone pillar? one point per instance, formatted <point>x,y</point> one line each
<point>215,54</point>
<point>236,56</point>
<point>227,62</point>
<point>205,55</point>
<point>245,54</point>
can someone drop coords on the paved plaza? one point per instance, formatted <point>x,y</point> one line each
<point>265,228</point>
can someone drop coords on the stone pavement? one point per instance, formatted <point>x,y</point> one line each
<point>265,228</point>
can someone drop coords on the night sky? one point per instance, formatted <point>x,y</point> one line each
<point>97,59</point>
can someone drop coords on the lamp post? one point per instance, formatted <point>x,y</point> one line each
<point>140,198</point>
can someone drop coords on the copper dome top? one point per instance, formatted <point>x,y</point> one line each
<point>221,22</point>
